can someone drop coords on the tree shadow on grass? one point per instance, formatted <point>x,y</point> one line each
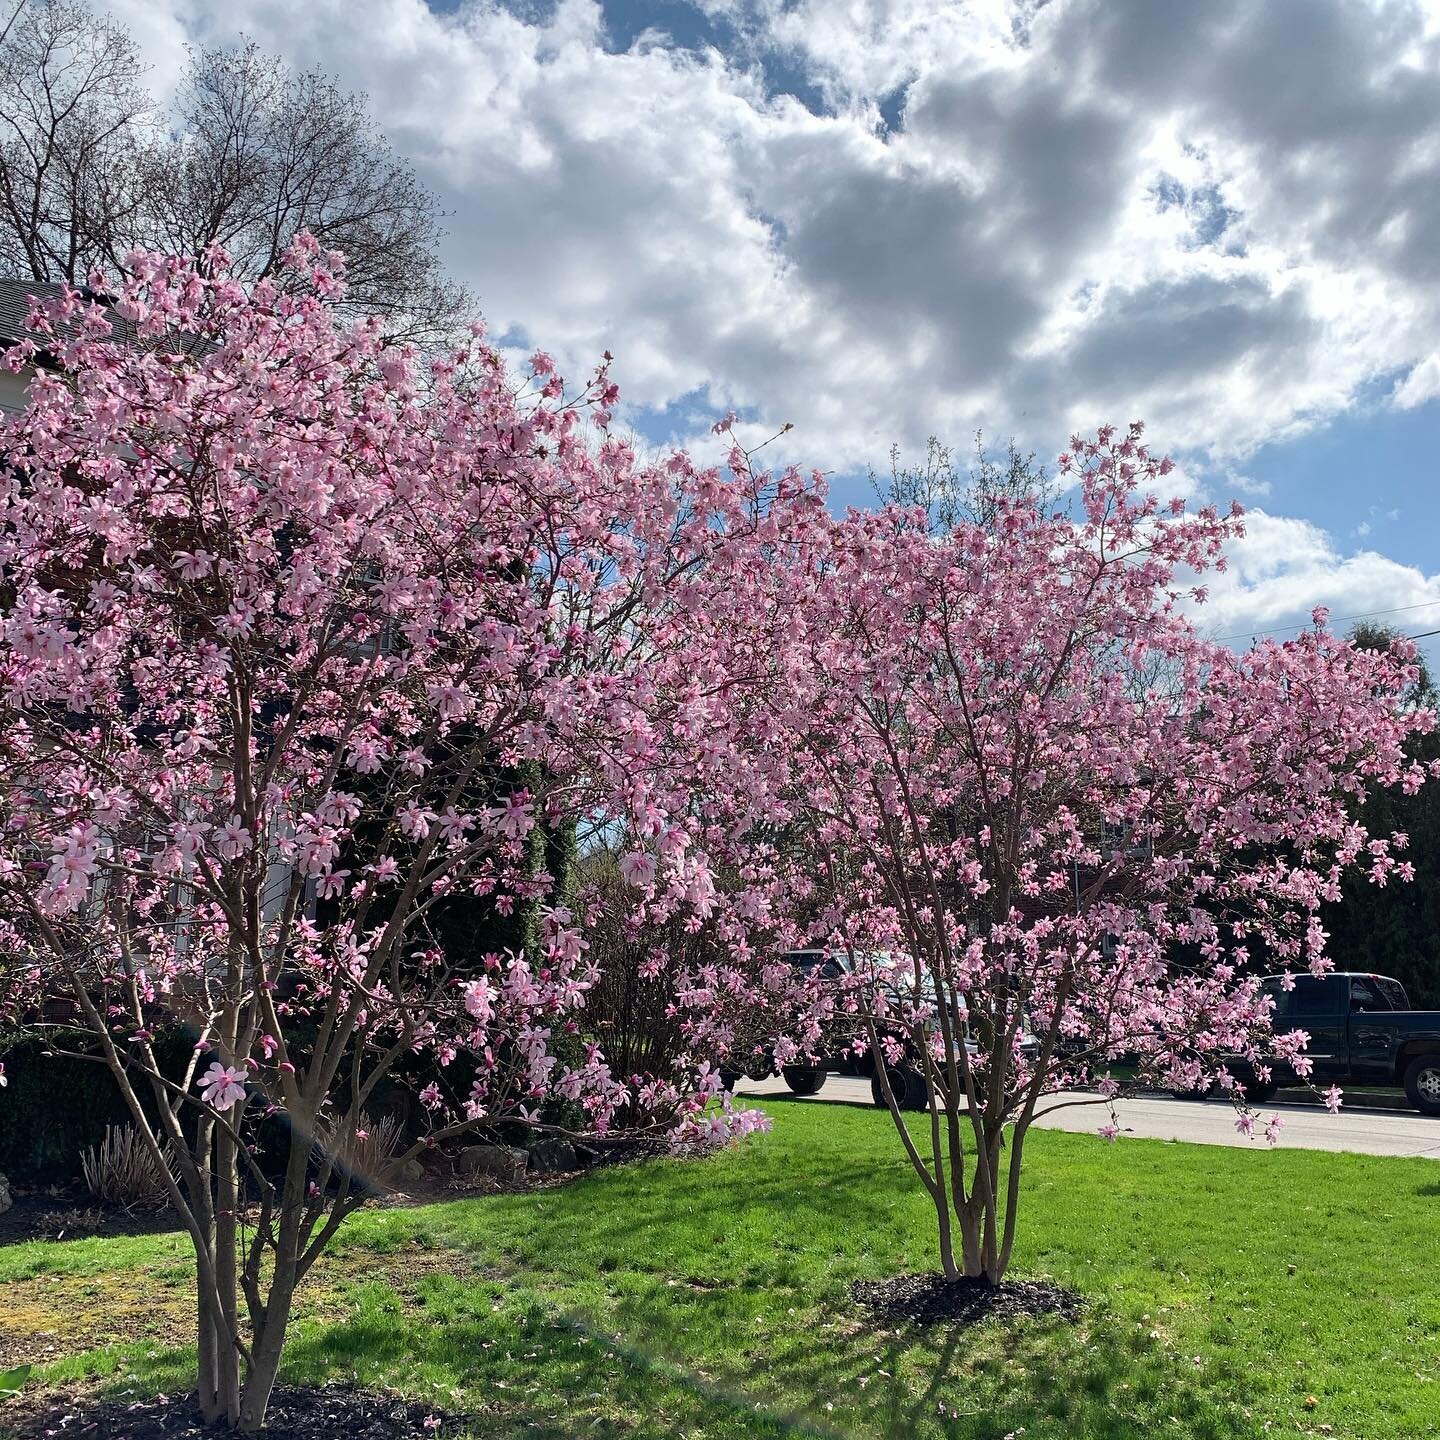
<point>715,1300</point>
<point>712,1299</point>
<point>536,1369</point>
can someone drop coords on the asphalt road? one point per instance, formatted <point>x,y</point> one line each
<point>1307,1126</point>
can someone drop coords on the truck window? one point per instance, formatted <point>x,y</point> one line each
<point>1364,996</point>
<point>1313,996</point>
<point>1392,992</point>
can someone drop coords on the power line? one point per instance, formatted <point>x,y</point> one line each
<point>1336,620</point>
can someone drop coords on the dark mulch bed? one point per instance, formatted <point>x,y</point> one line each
<point>934,1300</point>
<point>296,1413</point>
<point>69,1213</point>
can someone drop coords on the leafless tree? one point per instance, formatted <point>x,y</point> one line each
<point>247,153</point>
<point>951,496</point>
<point>260,151</point>
<point>73,124</point>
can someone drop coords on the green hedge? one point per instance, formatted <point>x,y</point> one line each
<point>55,1107</point>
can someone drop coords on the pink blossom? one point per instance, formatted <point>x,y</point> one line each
<point>222,1086</point>
<point>233,839</point>
<point>480,1000</point>
<point>638,869</point>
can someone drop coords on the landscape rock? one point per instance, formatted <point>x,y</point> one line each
<point>553,1156</point>
<point>408,1175</point>
<point>5,1198</point>
<point>496,1162</point>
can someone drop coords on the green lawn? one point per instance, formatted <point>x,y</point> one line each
<point>711,1298</point>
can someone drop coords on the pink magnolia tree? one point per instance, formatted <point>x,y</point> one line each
<point>279,606</point>
<point>1046,825</point>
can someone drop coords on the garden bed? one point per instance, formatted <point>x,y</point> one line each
<point>322,1412</point>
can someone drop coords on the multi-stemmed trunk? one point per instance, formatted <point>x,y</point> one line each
<point>241,1328</point>
<point>973,1183</point>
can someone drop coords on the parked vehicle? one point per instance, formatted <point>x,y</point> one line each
<point>837,1057</point>
<point>808,1077</point>
<point>906,1078</point>
<point>1362,1032</point>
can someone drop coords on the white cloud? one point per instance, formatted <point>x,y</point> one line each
<point>1247,485</point>
<point>1420,385</point>
<point>1091,210</point>
<point>1219,217</point>
<point>1284,567</point>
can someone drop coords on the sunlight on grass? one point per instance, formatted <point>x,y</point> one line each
<point>1226,1288</point>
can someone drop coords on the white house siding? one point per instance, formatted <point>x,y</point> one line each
<point>12,389</point>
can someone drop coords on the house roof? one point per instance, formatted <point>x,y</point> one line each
<point>15,297</point>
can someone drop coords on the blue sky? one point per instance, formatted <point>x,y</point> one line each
<point>885,219</point>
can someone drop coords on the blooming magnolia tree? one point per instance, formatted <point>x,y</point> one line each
<point>277,610</point>
<point>1046,824</point>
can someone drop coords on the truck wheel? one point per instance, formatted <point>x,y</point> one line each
<point>908,1085</point>
<point>1422,1084</point>
<point>1261,1092</point>
<point>803,1079</point>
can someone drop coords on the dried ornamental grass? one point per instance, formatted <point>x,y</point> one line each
<point>122,1170</point>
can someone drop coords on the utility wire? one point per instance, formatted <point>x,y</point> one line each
<point>1336,620</point>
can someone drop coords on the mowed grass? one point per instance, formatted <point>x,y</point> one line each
<point>1233,1293</point>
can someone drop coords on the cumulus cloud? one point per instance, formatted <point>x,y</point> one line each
<point>883,219</point>
<point>1219,217</point>
<point>1284,566</point>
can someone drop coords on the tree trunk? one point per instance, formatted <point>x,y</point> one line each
<point>270,1324</point>
<point>970,1242</point>
<point>208,1392</point>
<point>227,1266</point>
<point>267,1350</point>
<point>219,1387</point>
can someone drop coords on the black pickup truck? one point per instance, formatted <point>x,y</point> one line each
<point>1362,1032</point>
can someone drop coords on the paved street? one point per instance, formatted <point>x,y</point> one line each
<point>1309,1127</point>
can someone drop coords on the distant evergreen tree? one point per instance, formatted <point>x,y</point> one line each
<point>1396,930</point>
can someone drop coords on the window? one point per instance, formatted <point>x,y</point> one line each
<point>1364,996</point>
<point>1392,992</point>
<point>1312,997</point>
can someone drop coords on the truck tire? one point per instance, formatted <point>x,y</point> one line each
<point>1261,1092</point>
<point>803,1079</point>
<point>1422,1084</point>
<point>908,1085</point>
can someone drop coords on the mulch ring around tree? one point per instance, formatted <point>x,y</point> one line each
<point>320,1412</point>
<point>935,1300</point>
